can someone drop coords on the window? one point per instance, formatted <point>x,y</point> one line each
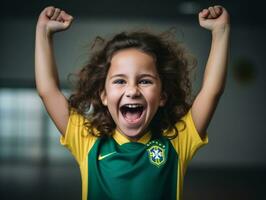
<point>26,131</point>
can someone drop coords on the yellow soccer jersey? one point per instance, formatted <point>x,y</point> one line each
<point>115,168</point>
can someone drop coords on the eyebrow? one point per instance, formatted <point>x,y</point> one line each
<point>140,76</point>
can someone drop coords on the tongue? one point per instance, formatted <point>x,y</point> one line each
<point>132,116</point>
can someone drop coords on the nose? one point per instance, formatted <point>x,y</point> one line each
<point>132,91</point>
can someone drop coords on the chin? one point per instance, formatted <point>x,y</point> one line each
<point>133,133</point>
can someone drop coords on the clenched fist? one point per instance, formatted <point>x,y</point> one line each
<point>214,18</point>
<point>53,20</point>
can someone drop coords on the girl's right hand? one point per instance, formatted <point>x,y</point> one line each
<point>53,20</point>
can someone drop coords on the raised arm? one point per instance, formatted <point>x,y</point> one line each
<point>215,19</point>
<point>51,20</point>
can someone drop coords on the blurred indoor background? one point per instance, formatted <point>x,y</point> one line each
<point>33,165</point>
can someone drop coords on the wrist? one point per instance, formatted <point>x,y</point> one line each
<point>219,31</point>
<point>43,31</point>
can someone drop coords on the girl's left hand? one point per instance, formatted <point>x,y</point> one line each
<point>214,18</point>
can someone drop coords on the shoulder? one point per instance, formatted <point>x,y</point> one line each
<point>78,138</point>
<point>82,123</point>
<point>188,138</point>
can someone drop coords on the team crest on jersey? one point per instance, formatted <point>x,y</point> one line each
<point>156,153</point>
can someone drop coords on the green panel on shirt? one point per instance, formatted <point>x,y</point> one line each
<point>132,170</point>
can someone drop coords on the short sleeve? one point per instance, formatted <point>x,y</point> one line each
<point>188,141</point>
<point>77,138</point>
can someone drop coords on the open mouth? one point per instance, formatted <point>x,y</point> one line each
<point>132,112</point>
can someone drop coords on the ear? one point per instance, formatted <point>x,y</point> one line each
<point>163,99</point>
<point>104,98</point>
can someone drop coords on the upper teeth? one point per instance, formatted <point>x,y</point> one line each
<point>133,105</point>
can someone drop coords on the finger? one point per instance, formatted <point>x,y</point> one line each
<point>49,11</point>
<point>212,13</point>
<point>218,10</point>
<point>204,13</point>
<point>59,18</point>
<point>55,14</point>
<point>66,17</point>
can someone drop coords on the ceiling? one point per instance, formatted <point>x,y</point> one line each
<point>242,12</point>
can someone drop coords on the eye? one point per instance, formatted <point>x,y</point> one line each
<point>145,81</point>
<point>119,81</point>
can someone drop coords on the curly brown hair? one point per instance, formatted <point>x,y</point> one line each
<point>173,65</point>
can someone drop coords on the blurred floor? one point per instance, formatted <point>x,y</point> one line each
<point>225,184</point>
<point>33,182</point>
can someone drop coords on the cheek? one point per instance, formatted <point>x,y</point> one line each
<point>153,96</point>
<point>113,94</point>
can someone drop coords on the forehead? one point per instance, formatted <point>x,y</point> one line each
<point>131,61</point>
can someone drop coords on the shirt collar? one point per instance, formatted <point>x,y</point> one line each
<point>122,139</point>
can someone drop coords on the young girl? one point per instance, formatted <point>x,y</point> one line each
<point>129,123</point>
